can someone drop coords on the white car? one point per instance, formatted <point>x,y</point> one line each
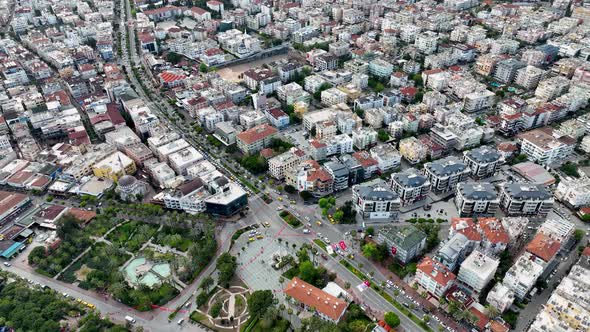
<point>305,231</point>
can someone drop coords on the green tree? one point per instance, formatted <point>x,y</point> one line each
<point>371,231</point>
<point>203,68</point>
<point>392,319</point>
<point>226,265</point>
<point>289,189</point>
<point>206,283</point>
<point>305,195</point>
<point>382,135</point>
<point>173,58</point>
<point>307,272</point>
<point>338,215</point>
<point>259,301</point>
<point>578,235</point>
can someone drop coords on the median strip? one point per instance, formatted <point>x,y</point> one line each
<point>386,296</point>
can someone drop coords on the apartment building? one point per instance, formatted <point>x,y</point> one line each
<point>434,277</point>
<point>545,146</point>
<point>552,88</point>
<point>337,145</point>
<point>574,192</point>
<point>525,199</point>
<point>262,80</point>
<point>566,310</point>
<point>477,270</point>
<point>444,174</point>
<point>279,165</point>
<point>410,185</point>
<point>363,138</point>
<point>522,276</point>
<point>255,139</point>
<point>375,203</point>
<point>114,166</point>
<point>483,161</point>
<point>529,77</point>
<point>333,96</point>
<point>387,157</point>
<point>506,70</point>
<point>500,297</point>
<point>181,160</point>
<point>476,199</point>
<point>413,150</point>
<point>405,243</point>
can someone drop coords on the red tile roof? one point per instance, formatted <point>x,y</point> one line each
<point>482,319</point>
<point>198,11</point>
<point>467,227</point>
<point>257,133</point>
<point>50,212</point>
<point>317,144</point>
<point>8,200</point>
<point>493,230</point>
<point>312,296</point>
<point>543,247</point>
<point>365,159</point>
<point>409,91</point>
<point>436,271</point>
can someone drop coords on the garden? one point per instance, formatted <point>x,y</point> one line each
<point>132,235</point>
<point>176,238</point>
<point>290,219</point>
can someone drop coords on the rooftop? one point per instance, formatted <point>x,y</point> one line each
<point>543,247</point>
<point>257,133</point>
<point>405,237</point>
<point>311,296</point>
<point>436,271</point>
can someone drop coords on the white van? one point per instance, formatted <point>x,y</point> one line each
<point>130,319</point>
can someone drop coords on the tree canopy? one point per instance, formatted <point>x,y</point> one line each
<point>259,302</point>
<point>392,319</point>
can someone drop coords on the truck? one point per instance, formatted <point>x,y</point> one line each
<point>130,319</point>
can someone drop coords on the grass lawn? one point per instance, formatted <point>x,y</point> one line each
<point>320,243</point>
<point>290,219</point>
<point>197,316</point>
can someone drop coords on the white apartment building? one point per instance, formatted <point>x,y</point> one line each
<point>528,77</point>
<point>387,156</point>
<point>545,146</point>
<point>292,93</point>
<point>5,142</point>
<point>500,297</point>
<point>522,276</point>
<point>163,151</point>
<point>181,160</point>
<point>279,165</point>
<point>333,96</point>
<point>552,88</point>
<point>427,42</point>
<point>434,277</point>
<point>375,202</point>
<point>380,68</point>
<point>477,270</point>
<point>478,100</point>
<point>574,192</point>
<point>567,309</point>
<point>585,145</point>
<point>364,137</point>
